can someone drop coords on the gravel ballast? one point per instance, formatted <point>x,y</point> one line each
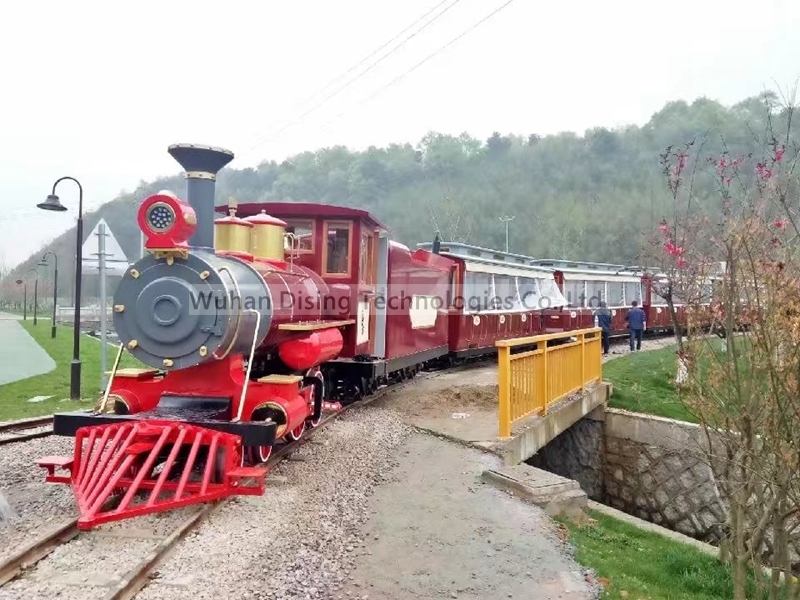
<point>301,538</point>
<point>38,507</point>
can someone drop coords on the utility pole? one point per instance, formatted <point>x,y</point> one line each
<point>507,219</point>
<point>101,262</point>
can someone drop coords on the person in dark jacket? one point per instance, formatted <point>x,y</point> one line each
<point>636,324</point>
<point>603,316</point>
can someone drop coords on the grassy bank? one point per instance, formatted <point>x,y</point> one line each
<point>643,383</point>
<point>14,396</point>
<point>635,564</point>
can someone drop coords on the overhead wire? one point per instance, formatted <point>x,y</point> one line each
<point>406,73</point>
<point>373,53</point>
<point>261,137</point>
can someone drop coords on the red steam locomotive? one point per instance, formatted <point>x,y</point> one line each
<point>252,325</point>
<point>249,329</point>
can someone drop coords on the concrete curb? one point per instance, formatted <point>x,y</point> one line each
<point>652,527</point>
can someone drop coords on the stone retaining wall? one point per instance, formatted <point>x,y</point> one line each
<point>649,467</point>
<point>655,469</point>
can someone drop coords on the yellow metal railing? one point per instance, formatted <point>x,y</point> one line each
<point>532,380</point>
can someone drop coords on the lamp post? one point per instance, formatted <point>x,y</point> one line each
<point>507,219</point>
<point>24,285</point>
<point>35,291</point>
<point>53,203</point>
<point>43,263</point>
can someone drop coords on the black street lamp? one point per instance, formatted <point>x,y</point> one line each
<point>24,285</point>
<point>53,203</point>
<point>35,291</point>
<point>43,263</point>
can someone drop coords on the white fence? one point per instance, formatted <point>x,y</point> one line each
<point>88,313</point>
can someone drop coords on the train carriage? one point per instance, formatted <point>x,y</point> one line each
<point>586,284</point>
<point>497,296</point>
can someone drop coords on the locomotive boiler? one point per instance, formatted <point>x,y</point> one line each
<point>231,337</point>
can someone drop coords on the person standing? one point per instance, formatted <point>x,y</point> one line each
<point>603,320</point>
<point>636,324</point>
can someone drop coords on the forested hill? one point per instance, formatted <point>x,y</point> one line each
<point>582,197</point>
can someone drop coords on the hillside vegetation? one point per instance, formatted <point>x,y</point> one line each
<point>589,197</point>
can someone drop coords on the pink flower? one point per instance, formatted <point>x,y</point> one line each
<point>779,153</point>
<point>681,263</point>
<point>664,228</point>
<point>762,171</point>
<point>780,224</point>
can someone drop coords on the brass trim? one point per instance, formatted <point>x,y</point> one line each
<point>200,175</point>
<point>281,428</point>
<point>168,362</point>
<point>134,273</point>
<point>170,254</point>
<point>132,344</point>
<point>150,210</point>
<point>281,379</point>
<point>190,219</point>
<point>119,308</point>
<point>203,350</point>
<point>131,372</point>
<point>105,409</point>
<point>314,326</point>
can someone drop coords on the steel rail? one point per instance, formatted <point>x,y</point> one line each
<point>138,577</point>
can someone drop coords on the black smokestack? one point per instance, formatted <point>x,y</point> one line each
<point>201,163</point>
<point>437,242</point>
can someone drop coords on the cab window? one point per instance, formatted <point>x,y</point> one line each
<point>303,231</point>
<point>337,250</point>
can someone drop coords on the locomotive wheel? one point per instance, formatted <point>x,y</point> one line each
<point>297,433</point>
<point>258,454</point>
<point>312,423</point>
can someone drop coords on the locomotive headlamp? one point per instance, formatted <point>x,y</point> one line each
<point>160,217</point>
<point>167,222</point>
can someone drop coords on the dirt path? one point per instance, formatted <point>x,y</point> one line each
<point>437,532</point>
<point>620,347</point>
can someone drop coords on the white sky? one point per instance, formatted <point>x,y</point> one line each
<point>98,90</point>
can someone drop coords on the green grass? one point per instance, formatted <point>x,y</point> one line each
<point>643,382</point>
<point>638,564</point>
<point>14,396</point>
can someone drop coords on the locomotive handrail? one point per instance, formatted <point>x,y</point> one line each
<point>249,362</point>
<point>238,314</point>
<point>111,378</point>
<point>531,380</point>
<point>292,239</point>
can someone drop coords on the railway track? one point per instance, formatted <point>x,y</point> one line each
<point>20,431</point>
<point>126,585</point>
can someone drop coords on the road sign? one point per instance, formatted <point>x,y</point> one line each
<point>116,261</point>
